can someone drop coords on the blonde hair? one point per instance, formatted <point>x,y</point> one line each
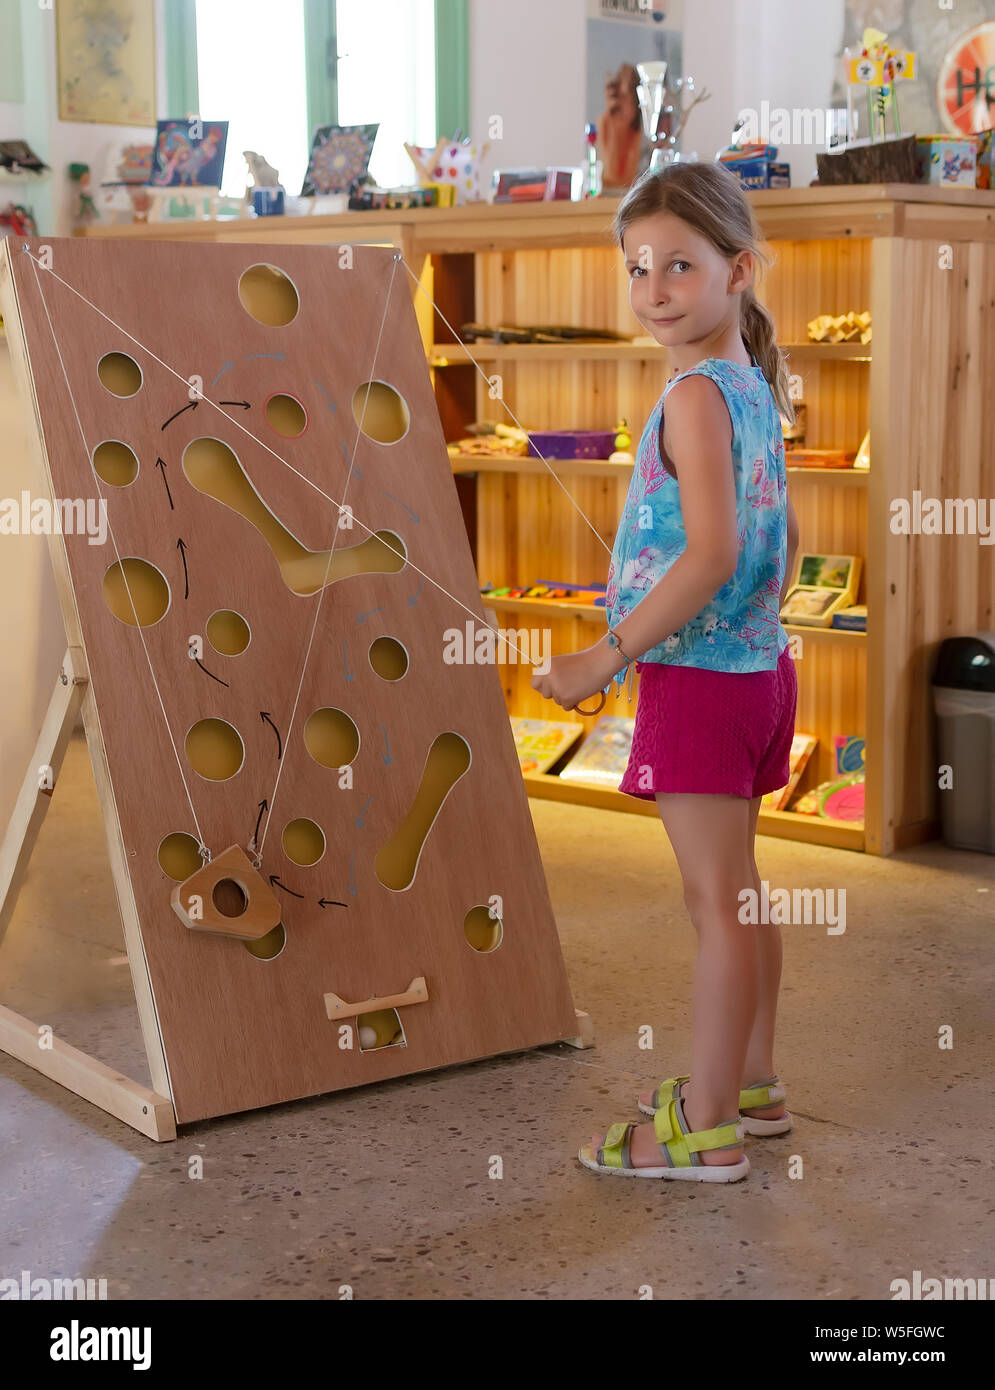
<point>711,201</point>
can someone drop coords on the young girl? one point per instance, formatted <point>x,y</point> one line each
<point>698,571</point>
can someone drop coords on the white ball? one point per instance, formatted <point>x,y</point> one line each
<point>368,1036</point>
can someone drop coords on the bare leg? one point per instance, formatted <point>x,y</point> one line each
<point>760,1049</point>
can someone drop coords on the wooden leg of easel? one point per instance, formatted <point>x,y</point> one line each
<point>585,1038</point>
<point>136,1105</point>
<point>150,1112</point>
<point>36,789</point>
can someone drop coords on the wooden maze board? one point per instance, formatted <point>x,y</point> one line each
<point>241,1028</point>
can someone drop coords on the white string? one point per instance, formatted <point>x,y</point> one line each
<point>204,851</point>
<point>338,505</point>
<point>257,857</point>
<point>507,407</point>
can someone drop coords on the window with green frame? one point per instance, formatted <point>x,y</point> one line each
<point>452,100</point>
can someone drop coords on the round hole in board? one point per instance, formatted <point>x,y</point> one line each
<point>228,632</point>
<point>303,841</point>
<point>380,412</point>
<point>331,738</point>
<point>285,415</point>
<point>119,374</point>
<point>482,931</point>
<point>268,295</point>
<point>115,464</point>
<point>136,592</point>
<point>388,658</point>
<point>214,749</point>
<point>179,856</point>
<point>268,947</point>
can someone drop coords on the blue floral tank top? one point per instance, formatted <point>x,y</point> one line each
<point>740,629</point>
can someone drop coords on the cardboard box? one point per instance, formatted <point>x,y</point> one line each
<point>948,160</point>
<point>760,173</point>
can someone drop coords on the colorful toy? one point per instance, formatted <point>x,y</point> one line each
<point>879,68</point>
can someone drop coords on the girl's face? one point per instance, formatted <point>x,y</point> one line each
<point>680,288</point>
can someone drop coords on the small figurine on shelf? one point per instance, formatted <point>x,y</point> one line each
<point>19,219</point>
<point>86,209</point>
<point>594,171</point>
<point>264,177</point>
<point>623,443</point>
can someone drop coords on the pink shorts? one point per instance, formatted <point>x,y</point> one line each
<point>719,732</point>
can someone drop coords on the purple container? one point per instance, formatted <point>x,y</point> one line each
<point>572,444</point>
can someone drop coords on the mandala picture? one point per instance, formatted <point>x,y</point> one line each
<point>340,157</point>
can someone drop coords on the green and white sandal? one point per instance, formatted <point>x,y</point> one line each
<point>679,1146</point>
<point>762,1095</point>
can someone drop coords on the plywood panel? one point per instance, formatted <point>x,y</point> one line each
<point>239,1031</point>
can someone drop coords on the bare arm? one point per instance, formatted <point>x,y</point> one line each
<point>699,433</point>
<point>792,550</point>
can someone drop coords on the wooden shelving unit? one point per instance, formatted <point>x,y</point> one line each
<point>922,386</point>
<point>451,354</point>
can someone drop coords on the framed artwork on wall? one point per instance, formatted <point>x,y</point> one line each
<point>105,56</point>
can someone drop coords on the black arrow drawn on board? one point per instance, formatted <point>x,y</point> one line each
<point>243,404</point>
<point>330,902</point>
<point>275,879</point>
<point>264,716</point>
<point>255,834</point>
<point>192,406</point>
<point>161,465</point>
<point>181,546</point>
<point>213,677</point>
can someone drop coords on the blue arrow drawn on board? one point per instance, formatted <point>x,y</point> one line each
<point>414,598</point>
<point>362,813</point>
<point>331,403</point>
<point>410,513</point>
<point>362,617</point>
<point>345,455</point>
<point>345,658</point>
<point>226,368</point>
<point>280,356</point>
<point>386,756</point>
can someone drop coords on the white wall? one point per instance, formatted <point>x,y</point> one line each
<point>34,640</point>
<point>61,143</point>
<point>528,63</point>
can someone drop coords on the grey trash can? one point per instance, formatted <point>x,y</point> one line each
<point>964,702</point>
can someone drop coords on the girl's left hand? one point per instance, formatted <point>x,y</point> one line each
<point>573,677</point>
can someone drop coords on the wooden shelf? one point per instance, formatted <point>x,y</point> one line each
<point>550,608</point>
<point>789,825</point>
<point>838,477</point>
<point>881,210</point>
<point>591,613</point>
<point>465,354</point>
<point>506,463</point>
<point>598,468</point>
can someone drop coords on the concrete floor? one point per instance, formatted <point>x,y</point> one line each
<point>386,1188</point>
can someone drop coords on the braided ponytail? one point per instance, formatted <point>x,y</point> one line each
<point>760,337</point>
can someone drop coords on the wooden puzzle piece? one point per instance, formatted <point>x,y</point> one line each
<point>227,897</point>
